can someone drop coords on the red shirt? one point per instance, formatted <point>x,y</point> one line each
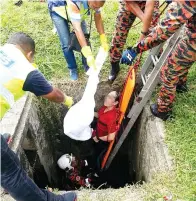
<point>107,121</point>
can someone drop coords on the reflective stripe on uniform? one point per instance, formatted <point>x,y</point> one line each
<point>4,106</point>
<point>15,87</point>
<point>8,96</point>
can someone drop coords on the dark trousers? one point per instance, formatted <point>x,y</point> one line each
<point>100,150</point>
<point>61,25</point>
<point>17,183</point>
<point>80,149</point>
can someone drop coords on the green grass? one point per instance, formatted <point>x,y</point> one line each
<point>181,138</point>
<point>33,18</point>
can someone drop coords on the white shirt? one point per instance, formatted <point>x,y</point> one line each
<point>78,119</point>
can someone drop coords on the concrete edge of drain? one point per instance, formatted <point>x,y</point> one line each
<point>155,156</point>
<point>154,126</point>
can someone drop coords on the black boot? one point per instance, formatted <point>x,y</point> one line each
<point>181,88</point>
<point>18,3</point>
<point>115,68</point>
<point>162,115</point>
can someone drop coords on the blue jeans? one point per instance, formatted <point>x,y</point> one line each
<point>16,182</point>
<point>61,25</point>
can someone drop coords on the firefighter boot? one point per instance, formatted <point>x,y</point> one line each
<point>115,68</point>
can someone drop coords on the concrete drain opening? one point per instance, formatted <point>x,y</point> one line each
<point>38,133</point>
<point>120,173</point>
<point>49,145</point>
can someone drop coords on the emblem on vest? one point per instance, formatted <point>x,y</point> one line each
<point>5,60</point>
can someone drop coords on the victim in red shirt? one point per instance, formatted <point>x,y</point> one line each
<point>107,121</point>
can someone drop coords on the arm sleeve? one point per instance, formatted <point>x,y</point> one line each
<point>37,84</point>
<point>177,14</point>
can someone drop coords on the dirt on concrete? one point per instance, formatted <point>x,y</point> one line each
<point>76,89</point>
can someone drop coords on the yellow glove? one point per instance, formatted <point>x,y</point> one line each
<point>104,43</point>
<point>34,65</point>
<point>68,101</point>
<point>86,51</point>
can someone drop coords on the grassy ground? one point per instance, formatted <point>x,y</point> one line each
<point>33,18</point>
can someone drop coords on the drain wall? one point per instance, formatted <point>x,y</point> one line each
<point>41,130</point>
<point>150,151</point>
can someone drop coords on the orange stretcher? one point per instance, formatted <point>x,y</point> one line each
<point>123,104</point>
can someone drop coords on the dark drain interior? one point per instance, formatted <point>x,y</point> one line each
<point>39,174</point>
<point>120,173</point>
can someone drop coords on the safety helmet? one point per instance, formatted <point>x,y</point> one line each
<point>65,161</point>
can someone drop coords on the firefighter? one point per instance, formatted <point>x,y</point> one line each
<point>147,11</point>
<point>174,72</point>
<point>74,169</point>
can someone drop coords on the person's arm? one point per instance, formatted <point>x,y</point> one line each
<point>135,9</point>
<point>55,96</point>
<point>111,136</point>
<point>96,114</point>
<point>75,18</point>
<point>79,33</point>
<point>145,17</point>
<point>99,22</point>
<point>100,30</point>
<point>177,14</point>
<point>58,96</point>
<point>37,84</point>
<point>148,13</point>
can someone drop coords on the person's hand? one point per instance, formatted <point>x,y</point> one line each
<point>104,44</point>
<point>68,101</point>
<point>128,56</point>
<point>86,51</point>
